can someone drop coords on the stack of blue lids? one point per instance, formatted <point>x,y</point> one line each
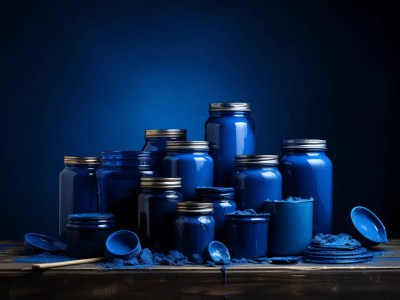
<point>336,249</point>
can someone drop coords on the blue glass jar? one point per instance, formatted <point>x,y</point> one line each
<point>190,161</point>
<point>307,172</point>
<point>157,211</point>
<point>119,184</point>
<point>223,203</point>
<point>156,141</point>
<point>194,228</point>
<point>230,132</point>
<point>256,178</point>
<point>77,189</point>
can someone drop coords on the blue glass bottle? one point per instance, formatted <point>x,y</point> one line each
<point>157,211</point>
<point>194,228</point>
<point>230,132</point>
<point>190,161</point>
<point>307,172</point>
<point>119,184</point>
<point>223,203</point>
<point>77,189</point>
<point>256,178</point>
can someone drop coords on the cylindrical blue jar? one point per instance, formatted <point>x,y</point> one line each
<point>157,211</point>
<point>119,184</point>
<point>223,203</point>
<point>230,132</point>
<point>256,178</point>
<point>306,173</point>
<point>194,228</point>
<point>77,189</point>
<point>156,141</point>
<point>190,161</point>
<point>87,233</point>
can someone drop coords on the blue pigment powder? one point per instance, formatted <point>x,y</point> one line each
<point>44,257</point>
<point>245,212</point>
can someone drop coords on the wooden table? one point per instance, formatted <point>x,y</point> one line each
<point>378,279</point>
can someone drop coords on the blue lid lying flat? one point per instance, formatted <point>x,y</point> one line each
<point>336,261</point>
<point>35,242</point>
<point>218,252</point>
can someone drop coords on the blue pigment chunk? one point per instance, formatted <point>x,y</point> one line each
<point>197,259</point>
<point>146,257</point>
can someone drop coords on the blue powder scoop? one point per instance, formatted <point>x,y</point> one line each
<point>219,253</point>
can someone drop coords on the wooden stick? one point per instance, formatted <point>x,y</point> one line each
<point>67,263</point>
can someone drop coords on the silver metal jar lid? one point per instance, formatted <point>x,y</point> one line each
<point>188,145</point>
<point>194,207</point>
<point>304,144</point>
<point>173,133</point>
<point>160,182</point>
<point>266,160</point>
<point>81,160</point>
<point>233,106</point>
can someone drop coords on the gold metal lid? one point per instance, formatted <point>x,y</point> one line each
<point>191,145</point>
<point>172,133</point>
<point>232,106</point>
<point>304,144</point>
<point>160,182</point>
<point>194,207</point>
<point>267,160</point>
<point>81,160</point>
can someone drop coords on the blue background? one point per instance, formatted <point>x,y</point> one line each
<point>78,77</point>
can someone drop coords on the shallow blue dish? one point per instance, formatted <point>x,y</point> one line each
<point>218,252</point>
<point>36,243</point>
<point>122,244</point>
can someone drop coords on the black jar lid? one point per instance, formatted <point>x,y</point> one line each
<point>265,160</point>
<point>304,144</point>
<point>161,182</point>
<point>169,133</point>
<point>231,106</point>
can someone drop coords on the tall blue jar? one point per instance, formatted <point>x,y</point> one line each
<point>307,172</point>
<point>230,132</point>
<point>77,189</point>
<point>222,199</point>
<point>190,161</point>
<point>157,211</point>
<point>156,141</point>
<point>194,228</point>
<point>119,184</point>
<point>256,178</point>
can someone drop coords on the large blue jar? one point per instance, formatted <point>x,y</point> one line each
<point>77,189</point>
<point>190,161</point>
<point>156,141</point>
<point>157,211</point>
<point>307,172</point>
<point>222,199</point>
<point>230,132</point>
<point>194,228</point>
<point>119,184</point>
<point>256,178</point>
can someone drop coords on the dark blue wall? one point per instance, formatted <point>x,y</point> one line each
<point>78,77</point>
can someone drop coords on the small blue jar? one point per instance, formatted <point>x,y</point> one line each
<point>307,172</point>
<point>157,211</point>
<point>194,228</point>
<point>156,141</point>
<point>119,184</point>
<point>256,179</point>
<point>77,189</point>
<point>223,203</point>
<point>230,132</point>
<point>190,161</point>
<point>87,233</point>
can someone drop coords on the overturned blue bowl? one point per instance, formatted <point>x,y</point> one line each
<point>218,252</point>
<point>37,243</point>
<point>122,244</point>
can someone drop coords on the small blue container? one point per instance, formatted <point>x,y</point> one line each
<point>37,243</point>
<point>247,235</point>
<point>87,233</point>
<point>230,132</point>
<point>194,228</point>
<point>307,172</point>
<point>290,228</point>
<point>190,161</point>
<point>256,178</point>
<point>157,211</point>
<point>223,203</point>
<point>122,244</point>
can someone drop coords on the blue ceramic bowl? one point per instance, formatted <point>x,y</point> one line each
<point>366,227</point>
<point>218,252</point>
<point>122,244</point>
<point>36,243</point>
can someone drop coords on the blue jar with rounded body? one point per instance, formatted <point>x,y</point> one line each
<point>157,211</point>
<point>119,184</point>
<point>194,228</point>
<point>230,132</point>
<point>256,178</point>
<point>306,173</point>
<point>190,161</point>
<point>222,199</point>
<point>77,189</point>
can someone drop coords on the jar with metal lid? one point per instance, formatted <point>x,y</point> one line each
<point>77,188</point>
<point>119,184</point>
<point>190,161</point>
<point>256,178</point>
<point>222,199</point>
<point>306,173</point>
<point>157,210</point>
<point>194,227</point>
<point>230,132</point>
